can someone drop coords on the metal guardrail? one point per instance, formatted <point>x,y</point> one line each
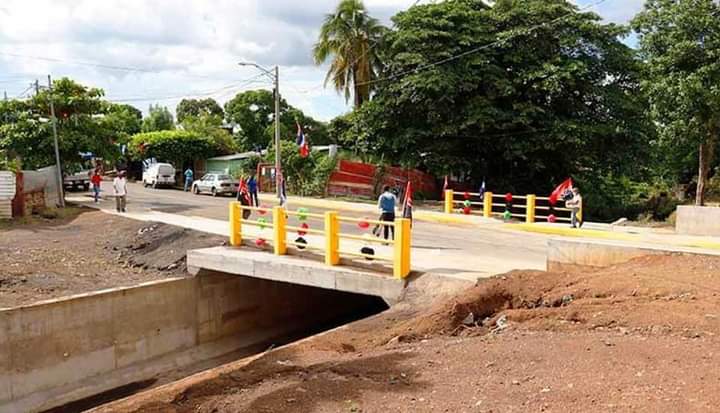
<point>400,259</point>
<point>528,209</point>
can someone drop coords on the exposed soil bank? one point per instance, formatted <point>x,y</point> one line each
<point>90,252</point>
<point>642,336</point>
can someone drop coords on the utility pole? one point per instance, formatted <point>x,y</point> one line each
<point>277,131</point>
<point>61,195</point>
<point>275,76</point>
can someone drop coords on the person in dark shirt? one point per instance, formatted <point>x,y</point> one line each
<point>253,189</point>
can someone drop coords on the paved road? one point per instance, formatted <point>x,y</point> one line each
<point>455,250</point>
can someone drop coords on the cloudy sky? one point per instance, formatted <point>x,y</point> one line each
<point>142,52</point>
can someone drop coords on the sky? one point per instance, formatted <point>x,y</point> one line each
<point>144,52</point>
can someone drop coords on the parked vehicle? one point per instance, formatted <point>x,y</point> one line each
<point>78,181</point>
<point>216,184</point>
<point>159,174</point>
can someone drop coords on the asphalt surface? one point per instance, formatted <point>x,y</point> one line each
<point>485,250</point>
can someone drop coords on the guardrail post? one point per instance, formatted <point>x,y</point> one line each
<point>530,211</point>
<point>279,231</point>
<point>332,238</point>
<point>487,204</point>
<point>235,224</point>
<point>580,212</point>
<point>401,259</point>
<point>449,197</point>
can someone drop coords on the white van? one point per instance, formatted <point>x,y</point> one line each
<point>159,174</point>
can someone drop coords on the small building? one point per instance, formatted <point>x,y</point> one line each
<point>229,163</point>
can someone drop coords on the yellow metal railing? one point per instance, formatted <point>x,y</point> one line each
<point>529,205</point>
<point>401,242</point>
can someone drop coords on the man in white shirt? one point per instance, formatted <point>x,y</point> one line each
<point>120,188</point>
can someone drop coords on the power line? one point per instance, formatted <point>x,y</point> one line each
<point>230,88</point>
<point>479,48</point>
<point>104,66</point>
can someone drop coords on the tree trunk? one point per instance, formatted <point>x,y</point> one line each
<point>707,153</point>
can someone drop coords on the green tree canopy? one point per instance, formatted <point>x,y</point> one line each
<point>558,95</point>
<point>350,38</point>
<point>198,108</point>
<point>26,132</point>
<point>176,146</point>
<point>159,118</point>
<point>680,43</point>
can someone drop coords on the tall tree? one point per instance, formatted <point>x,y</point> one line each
<point>197,108</point>
<point>558,96</point>
<point>680,42</point>
<point>159,118</point>
<point>351,39</point>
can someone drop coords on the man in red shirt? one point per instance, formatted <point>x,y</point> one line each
<point>96,180</point>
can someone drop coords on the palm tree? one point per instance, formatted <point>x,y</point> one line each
<point>350,37</point>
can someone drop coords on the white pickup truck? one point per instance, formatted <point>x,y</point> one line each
<point>77,181</point>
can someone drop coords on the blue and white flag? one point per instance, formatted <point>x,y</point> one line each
<point>482,190</point>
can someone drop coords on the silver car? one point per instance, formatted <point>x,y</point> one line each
<point>216,184</point>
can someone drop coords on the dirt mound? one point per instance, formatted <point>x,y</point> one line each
<point>160,247</point>
<point>667,294</point>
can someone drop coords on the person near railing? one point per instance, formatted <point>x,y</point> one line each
<point>386,204</point>
<point>575,204</point>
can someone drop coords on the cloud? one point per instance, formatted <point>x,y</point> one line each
<point>189,46</point>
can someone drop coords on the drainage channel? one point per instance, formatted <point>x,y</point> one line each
<point>73,354</point>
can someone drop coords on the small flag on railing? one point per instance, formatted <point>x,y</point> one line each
<point>560,190</point>
<point>445,187</point>
<point>408,202</point>
<point>482,190</point>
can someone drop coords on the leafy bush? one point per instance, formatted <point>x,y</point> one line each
<point>175,146</point>
<point>247,166</point>
<point>304,176</point>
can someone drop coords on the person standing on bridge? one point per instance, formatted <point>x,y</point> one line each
<point>575,205</point>
<point>120,188</point>
<point>253,189</point>
<point>189,177</point>
<point>386,204</point>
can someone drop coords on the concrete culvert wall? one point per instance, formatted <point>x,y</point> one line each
<point>62,351</point>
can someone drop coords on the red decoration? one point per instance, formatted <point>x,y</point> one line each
<point>552,219</point>
<point>363,224</point>
<point>262,211</point>
<point>466,195</point>
<point>260,242</point>
<point>466,210</point>
<point>508,197</point>
<point>303,226</point>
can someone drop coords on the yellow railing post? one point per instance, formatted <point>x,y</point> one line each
<point>530,211</point>
<point>401,259</point>
<point>487,204</point>
<point>332,238</point>
<point>279,231</point>
<point>580,212</point>
<point>449,197</point>
<point>235,224</point>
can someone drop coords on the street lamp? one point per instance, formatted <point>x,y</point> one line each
<point>275,76</point>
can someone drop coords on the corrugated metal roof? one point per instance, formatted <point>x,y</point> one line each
<point>7,185</point>
<point>236,156</point>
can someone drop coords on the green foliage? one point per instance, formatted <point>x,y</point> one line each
<point>158,119</point>
<point>304,176</point>
<point>211,126</point>
<point>85,123</point>
<point>198,108</point>
<point>254,111</point>
<point>351,39</point>
<point>247,167</point>
<point>176,147</point>
<point>680,43</point>
<point>545,104</point>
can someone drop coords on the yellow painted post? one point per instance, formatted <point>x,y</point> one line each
<point>530,211</point>
<point>580,212</point>
<point>279,231</point>
<point>401,259</point>
<point>449,197</point>
<point>487,204</point>
<point>235,224</point>
<point>332,238</point>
